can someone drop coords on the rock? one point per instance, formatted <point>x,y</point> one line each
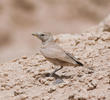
<point>50,78</point>
<point>62,85</point>
<point>92,85</point>
<point>51,89</point>
<point>24,57</point>
<point>41,70</point>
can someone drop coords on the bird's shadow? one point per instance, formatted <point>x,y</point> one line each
<point>56,76</point>
<point>58,79</point>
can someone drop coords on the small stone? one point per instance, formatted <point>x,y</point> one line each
<point>5,74</point>
<point>50,78</point>
<point>1,64</point>
<point>35,97</point>
<point>24,57</point>
<point>52,89</point>
<point>92,85</point>
<point>42,81</point>
<point>22,97</point>
<point>41,70</point>
<point>15,60</point>
<point>46,83</point>
<point>17,93</point>
<point>81,98</point>
<point>20,62</point>
<point>71,97</point>
<point>62,85</point>
<point>3,85</point>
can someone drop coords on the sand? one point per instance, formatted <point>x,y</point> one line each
<point>25,78</point>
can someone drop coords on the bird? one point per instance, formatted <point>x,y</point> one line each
<point>53,52</point>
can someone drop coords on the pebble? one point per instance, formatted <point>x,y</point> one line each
<point>41,70</point>
<point>17,93</point>
<point>24,57</point>
<point>92,85</point>
<point>5,74</point>
<point>62,85</point>
<point>52,89</point>
<point>15,60</point>
<point>46,83</point>
<point>42,81</point>
<point>50,78</point>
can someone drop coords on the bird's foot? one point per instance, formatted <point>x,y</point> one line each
<point>58,81</point>
<point>53,73</point>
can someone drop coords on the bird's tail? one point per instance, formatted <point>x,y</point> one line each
<point>70,55</point>
<point>79,63</point>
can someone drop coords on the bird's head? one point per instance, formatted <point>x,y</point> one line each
<point>44,36</point>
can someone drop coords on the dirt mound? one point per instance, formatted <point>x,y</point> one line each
<point>26,78</point>
<point>20,18</point>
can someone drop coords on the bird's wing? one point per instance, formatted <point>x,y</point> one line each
<point>73,58</point>
<point>56,52</point>
<point>53,51</point>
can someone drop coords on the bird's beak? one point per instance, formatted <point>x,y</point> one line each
<point>37,34</point>
<point>34,34</point>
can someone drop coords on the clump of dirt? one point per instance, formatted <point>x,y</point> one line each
<point>26,78</point>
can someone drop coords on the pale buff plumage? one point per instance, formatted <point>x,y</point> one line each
<point>54,52</point>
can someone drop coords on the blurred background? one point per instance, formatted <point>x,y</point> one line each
<point>20,18</point>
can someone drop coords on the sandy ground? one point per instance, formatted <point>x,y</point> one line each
<point>26,78</point>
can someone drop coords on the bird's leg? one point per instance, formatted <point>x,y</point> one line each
<point>57,69</point>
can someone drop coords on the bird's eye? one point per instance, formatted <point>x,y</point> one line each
<point>42,34</point>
